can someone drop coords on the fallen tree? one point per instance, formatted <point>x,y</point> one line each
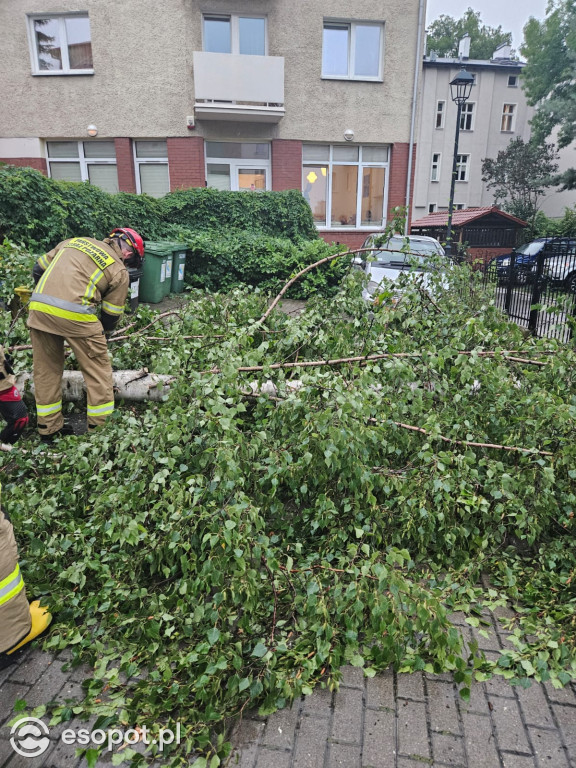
<point>138,386</point>
<point>229,549</point>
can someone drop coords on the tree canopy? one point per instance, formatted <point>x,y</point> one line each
<point>519,175</point>
<point>445,32</point>
<point>549,75</point>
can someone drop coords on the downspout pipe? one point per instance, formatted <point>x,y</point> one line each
<point>418,65</point>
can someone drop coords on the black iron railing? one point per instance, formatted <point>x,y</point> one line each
<point>538,293</point>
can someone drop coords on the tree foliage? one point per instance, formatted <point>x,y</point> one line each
<point>519,176</point>
<point>550,74</point>
<point>227,549</point>
<point>445,33</point>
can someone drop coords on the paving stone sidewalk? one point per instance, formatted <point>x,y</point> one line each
<point>389,721</point>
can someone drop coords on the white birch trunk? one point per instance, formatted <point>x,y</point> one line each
<point>128,385</point>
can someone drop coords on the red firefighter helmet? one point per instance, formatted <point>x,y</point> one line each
<point>132,238</point>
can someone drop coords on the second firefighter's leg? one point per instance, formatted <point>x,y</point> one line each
<point>92,355</point>
<point>12,408</point>
<point>19,622</point>
<point>14,608</point>
<point>48,354</point>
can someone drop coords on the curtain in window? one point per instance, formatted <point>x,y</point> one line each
<point>104,176</point>
<point>154,180</point>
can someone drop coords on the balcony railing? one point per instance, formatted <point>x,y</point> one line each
<point>231,86</point>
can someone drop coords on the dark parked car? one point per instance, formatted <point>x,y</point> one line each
<point>526,258</point>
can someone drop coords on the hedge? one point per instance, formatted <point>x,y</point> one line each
<point>40,212</point>
<point>222,259</point>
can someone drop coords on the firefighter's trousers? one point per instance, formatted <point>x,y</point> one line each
<point>15,619</point>
<point>92,355</point>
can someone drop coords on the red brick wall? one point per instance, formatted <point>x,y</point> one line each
<point>32,162</point>
<point>347,237</point>
<point>398,174</point>
<point>286,164</point>
<point>125,165</point>
<point>186,162</point>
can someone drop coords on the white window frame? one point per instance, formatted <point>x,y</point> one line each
<point>360,164</point>
<point>515,83</point>
<point>239,163</point>
<point>352,25</point>
<point>432,208</point>
<point>440,111</point>
<point>463,164</point>
<point>81,159</point>
<point>138,161</point>
<point>511,115</point>
<point>65,71</point>
<point>465,113</point>
<point>435,165</point>
<point>235,29</point>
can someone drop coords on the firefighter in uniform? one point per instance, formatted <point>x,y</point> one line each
<point>20,622</point>
<point>11,406</point>
<point>71,281</point>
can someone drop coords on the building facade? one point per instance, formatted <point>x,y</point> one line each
<point>141,96</point>
<point>495,113</point>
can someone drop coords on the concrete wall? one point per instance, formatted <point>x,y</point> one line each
<point>142,84</point>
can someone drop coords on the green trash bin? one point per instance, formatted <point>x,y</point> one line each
<point>156,271</point>
<point>178,268</point>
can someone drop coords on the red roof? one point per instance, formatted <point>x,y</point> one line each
<point>463,217</point>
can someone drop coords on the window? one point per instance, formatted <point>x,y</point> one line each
<point>435,170</point>
<point>432,207</point>
<point>235,34</point>
<point>512,81</point>
<point>508,115</point>
<point>459,206</point>
<point>352,50</point>
<point>238,165</point>
<point>93,161</point>
<point>151,163</point>
<point>462,163</point>
<point>346,186</point>
<point>60,44</point>
<point>467,116</point>
<point>440,111</point>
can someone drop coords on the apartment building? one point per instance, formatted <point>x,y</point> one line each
<point>495,113</point>
<point>141,96</point>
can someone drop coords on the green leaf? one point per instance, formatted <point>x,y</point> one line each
<point>259,650</point>
<point>91,756</point>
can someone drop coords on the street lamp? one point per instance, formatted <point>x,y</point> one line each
<point>460,89</point>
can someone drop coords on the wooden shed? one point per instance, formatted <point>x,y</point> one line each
<point>487,231</point>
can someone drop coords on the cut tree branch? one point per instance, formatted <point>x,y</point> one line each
<point>461,442</point>
<point>363,359</point>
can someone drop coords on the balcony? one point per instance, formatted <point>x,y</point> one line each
<point>238,87</point>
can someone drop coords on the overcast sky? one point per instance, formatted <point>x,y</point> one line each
<point>511,16</point>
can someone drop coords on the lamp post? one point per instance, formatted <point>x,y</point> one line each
<point>460,89</point>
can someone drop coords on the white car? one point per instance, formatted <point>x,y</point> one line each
<point>398,255</point>
<point>561,270</point>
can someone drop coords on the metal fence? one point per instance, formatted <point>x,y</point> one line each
<point>538,292</point>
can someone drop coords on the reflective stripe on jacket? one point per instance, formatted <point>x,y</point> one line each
<point>78,275</point>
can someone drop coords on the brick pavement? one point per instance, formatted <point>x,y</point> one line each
<point>389,721</point>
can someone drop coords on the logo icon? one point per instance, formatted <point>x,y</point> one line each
<point>29,737</point>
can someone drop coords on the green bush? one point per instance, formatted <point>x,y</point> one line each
<point>40,212</point>
<point>221,260</point>
<point>15,269</point>
<point>280,214</point>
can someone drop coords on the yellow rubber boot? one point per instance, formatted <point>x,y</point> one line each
<point>41,618</point>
